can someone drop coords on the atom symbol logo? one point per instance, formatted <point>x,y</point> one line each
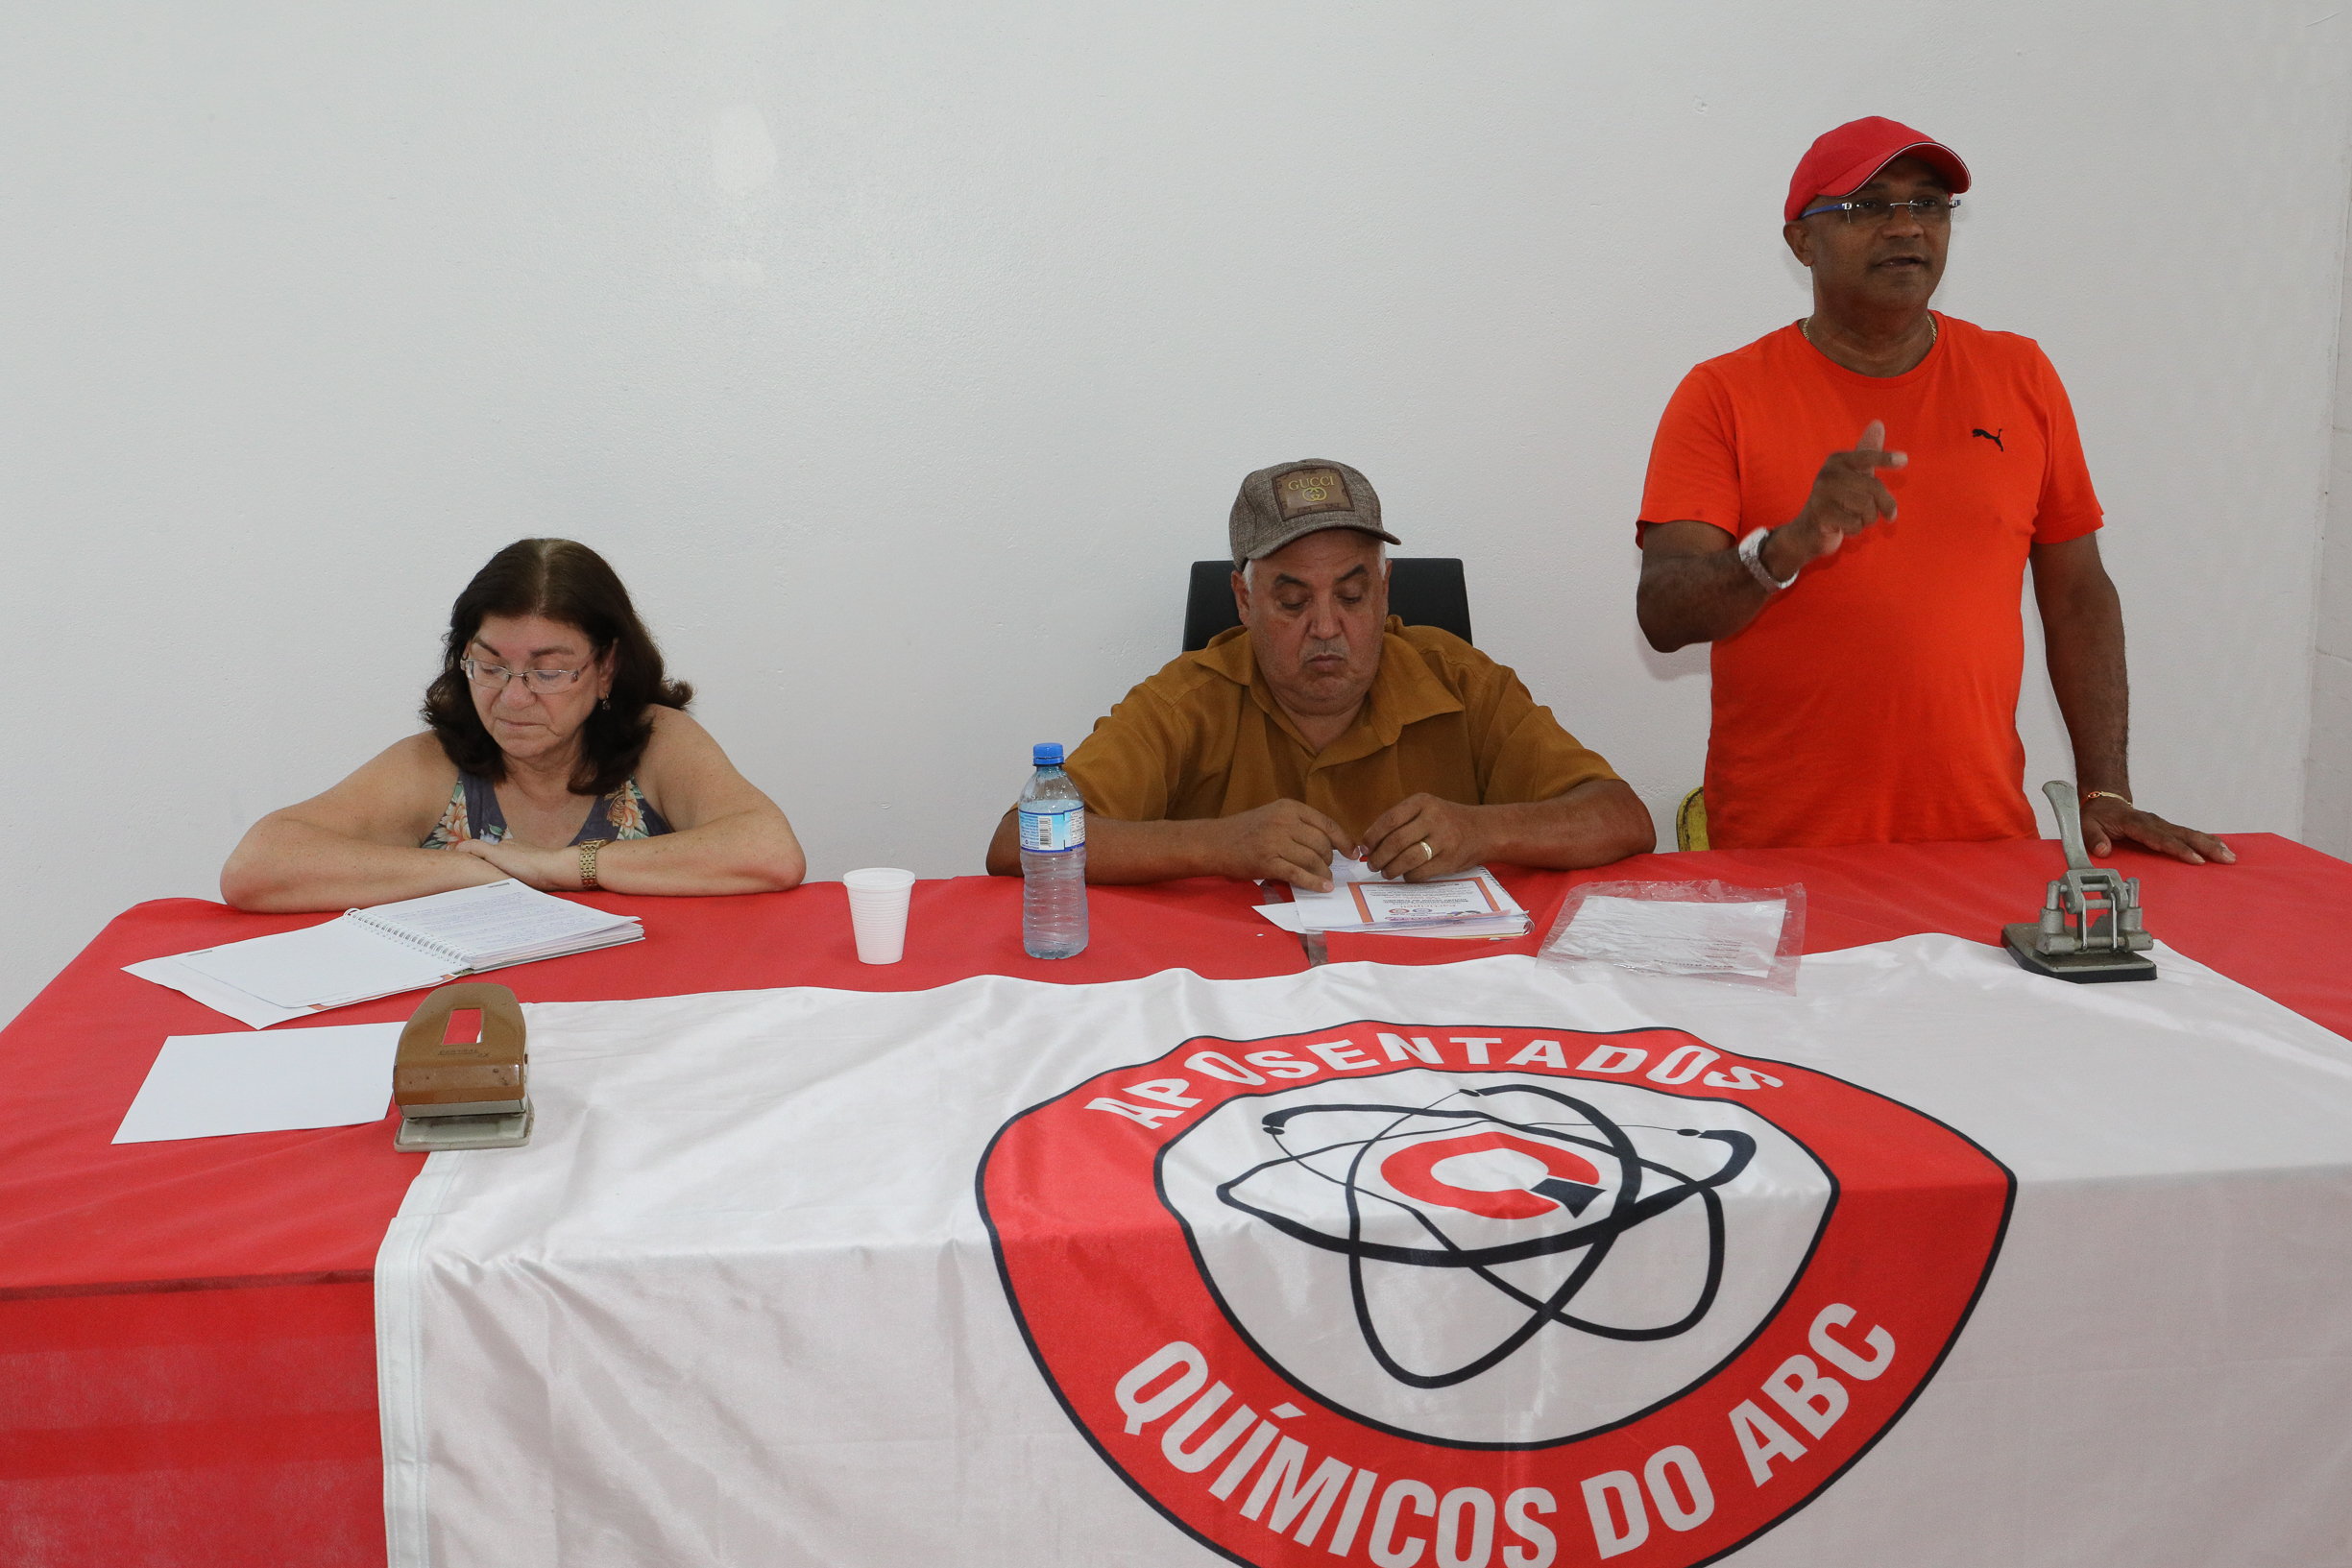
<point>1432,1289</point>
<point>1562,1157</point>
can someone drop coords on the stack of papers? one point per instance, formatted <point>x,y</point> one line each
<point>366,953</point>
<point>1468,903</point>
<point>1671,937</point>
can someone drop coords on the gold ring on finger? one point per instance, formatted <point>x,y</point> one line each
<point>1427,853</point>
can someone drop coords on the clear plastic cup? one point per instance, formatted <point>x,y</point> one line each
<point>877,898</point>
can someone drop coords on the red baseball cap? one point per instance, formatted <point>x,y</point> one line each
<point>1845,160</point>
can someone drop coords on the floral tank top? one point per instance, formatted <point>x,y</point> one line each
<point>472,813</point>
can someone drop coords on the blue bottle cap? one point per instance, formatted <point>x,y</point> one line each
<point>1045,754</point>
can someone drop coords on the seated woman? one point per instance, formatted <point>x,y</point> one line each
<point>558,754</point>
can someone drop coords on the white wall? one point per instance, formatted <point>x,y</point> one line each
<point>899,358</point>
<point>2327,767</point>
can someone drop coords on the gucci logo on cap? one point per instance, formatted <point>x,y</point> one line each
<point>1312,490</point>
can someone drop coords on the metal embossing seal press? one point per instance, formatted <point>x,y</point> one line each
<point>2089,924</point>
<point>463,1094</point>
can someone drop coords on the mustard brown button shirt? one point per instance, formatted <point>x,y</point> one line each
<point>1204,737</point>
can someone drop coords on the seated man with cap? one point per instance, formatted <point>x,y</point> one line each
<point>1324,725</point>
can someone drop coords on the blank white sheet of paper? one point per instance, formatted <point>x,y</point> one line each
<point>208,1085</point>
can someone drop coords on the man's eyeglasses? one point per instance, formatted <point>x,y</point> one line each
<point>494,677</point>
<point>1873,211</point>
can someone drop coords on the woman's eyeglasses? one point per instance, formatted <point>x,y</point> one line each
<point>494,677</point>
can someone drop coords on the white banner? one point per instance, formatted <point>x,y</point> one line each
<point>1459,1266</point>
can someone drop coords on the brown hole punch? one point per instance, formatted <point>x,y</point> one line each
<point>463,1094</point>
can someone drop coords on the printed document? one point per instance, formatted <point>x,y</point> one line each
<point>1470,902</point>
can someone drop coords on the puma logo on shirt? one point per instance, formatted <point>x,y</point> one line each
<point>1993,436</point>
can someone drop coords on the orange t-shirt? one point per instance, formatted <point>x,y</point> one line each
<point>1874,701</point>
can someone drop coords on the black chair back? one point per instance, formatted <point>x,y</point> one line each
<point>1427,591</point>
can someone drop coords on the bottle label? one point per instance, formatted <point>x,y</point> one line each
<point>1051,833</point>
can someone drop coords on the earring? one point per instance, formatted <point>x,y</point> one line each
<point>605,703</point>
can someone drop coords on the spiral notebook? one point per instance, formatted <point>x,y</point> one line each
<point>365,953</point>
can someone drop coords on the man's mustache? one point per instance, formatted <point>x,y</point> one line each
<point>1336,648</point>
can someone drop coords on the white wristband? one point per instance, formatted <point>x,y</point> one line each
<point>1752,556</point>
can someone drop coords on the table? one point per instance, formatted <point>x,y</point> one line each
<point>187,1327</point>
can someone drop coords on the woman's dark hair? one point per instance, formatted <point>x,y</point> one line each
<point>571,583</point>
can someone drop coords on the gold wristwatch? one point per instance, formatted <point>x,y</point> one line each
<point>588,864</point>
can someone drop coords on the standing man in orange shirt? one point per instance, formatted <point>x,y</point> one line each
<point>1845,509</point>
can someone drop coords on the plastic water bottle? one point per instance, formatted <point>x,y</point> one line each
<point>1052,861</point>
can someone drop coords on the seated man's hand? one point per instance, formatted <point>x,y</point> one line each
<point>1282,840</point>
<point>2106,821</point>
<point>1422,837</point>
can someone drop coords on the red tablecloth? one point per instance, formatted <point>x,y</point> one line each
<point>186,1345</point>
<point>187,1361</point>
<point>2262,922</point>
